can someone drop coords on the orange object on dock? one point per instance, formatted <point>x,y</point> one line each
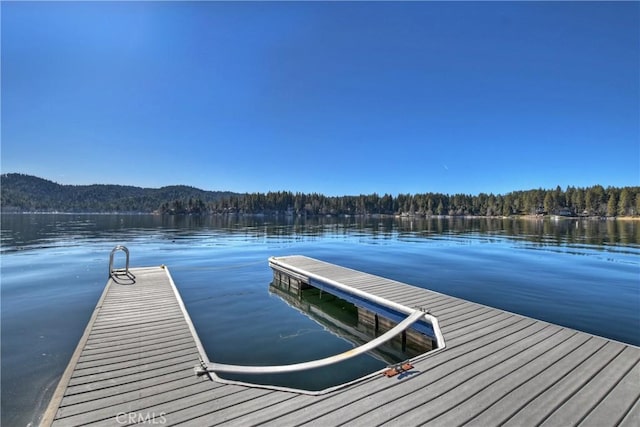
<point>397,369</point>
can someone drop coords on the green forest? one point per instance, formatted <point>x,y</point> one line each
<point>25,193</point>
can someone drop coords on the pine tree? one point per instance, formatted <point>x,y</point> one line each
<point>548,202</point>
<point>623,202</point>
<point>612,205</point>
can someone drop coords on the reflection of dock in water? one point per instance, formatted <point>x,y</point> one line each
<point>355,324</point>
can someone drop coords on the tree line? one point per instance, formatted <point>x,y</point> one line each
<point>572,201</point>
<point>24,193</point>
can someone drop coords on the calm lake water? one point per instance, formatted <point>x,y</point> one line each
<point>584,274</point>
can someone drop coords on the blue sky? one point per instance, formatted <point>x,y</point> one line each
<point>328,97</point>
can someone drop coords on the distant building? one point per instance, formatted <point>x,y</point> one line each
<point>564,212</point>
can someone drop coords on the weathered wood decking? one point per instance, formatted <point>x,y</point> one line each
<point>136,361</point>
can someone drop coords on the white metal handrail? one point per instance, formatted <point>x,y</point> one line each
<point>239,369</point>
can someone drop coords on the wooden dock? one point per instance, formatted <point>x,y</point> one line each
<point>135,364</point>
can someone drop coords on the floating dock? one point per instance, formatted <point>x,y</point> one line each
<point>138,359</point>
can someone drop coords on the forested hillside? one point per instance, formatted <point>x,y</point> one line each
<point>27,193</point>
<point>20,192</point>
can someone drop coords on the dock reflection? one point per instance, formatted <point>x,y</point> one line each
<point>352,323</point>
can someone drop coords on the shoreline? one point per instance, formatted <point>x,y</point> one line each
<point>374,215</point>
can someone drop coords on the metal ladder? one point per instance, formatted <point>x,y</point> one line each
<point>119,274</point>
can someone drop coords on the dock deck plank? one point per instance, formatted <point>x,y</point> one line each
<point>138,353</point>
